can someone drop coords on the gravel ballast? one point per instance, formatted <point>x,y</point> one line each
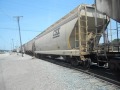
<point>28,73</point>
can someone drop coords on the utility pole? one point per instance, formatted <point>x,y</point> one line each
<point>117,36</point>
<point>13,44</point>
<point>18,19</point>
<point>111,34</point>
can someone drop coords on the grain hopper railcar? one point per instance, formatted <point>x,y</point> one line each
<point>74,36</point>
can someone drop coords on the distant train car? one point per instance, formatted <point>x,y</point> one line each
<point>21,50</point>
<point>73,37</point>
<point>29,47</point>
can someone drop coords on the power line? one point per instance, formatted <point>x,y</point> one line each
<point>15,29</point>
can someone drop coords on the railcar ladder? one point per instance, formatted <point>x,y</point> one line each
<point>82,24</point>
<point>101,56</point>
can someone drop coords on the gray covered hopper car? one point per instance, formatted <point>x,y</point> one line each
<point>74,36</point>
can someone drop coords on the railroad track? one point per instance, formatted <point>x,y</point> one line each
<point>103,74</point>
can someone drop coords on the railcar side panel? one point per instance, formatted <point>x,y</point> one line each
<point>57,39</point>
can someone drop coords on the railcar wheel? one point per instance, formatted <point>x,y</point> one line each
<point>67,59</point>
<point>54,56</point>
<point>36,55</point>
<point>74,62</point>
<point>112,67</point>
<point>42,56</point>
<point>101,63</point>
<point>86,64</point>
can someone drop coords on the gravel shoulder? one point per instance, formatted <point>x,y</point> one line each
<point>27,73</point>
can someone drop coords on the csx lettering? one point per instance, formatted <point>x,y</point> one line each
<point>56,33</point>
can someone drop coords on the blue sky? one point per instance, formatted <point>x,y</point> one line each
<point>37,16</point>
